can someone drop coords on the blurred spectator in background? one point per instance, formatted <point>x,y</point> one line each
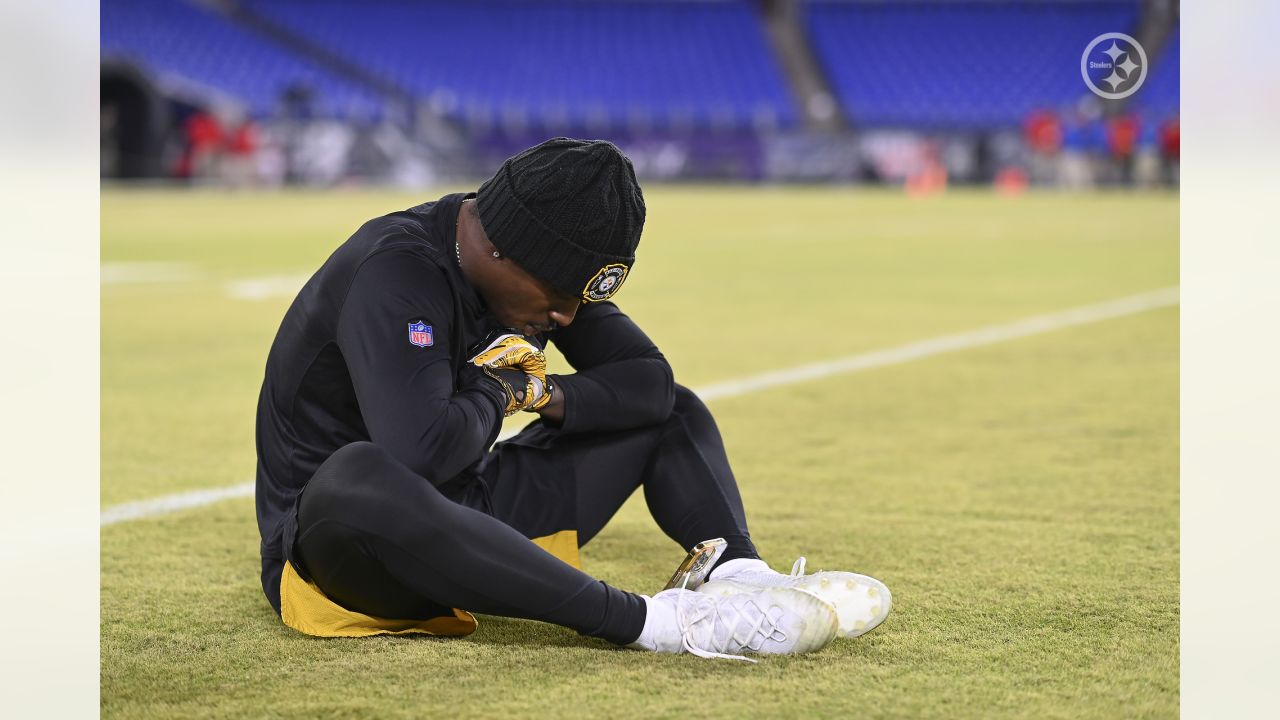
<point>315,147</point>
<point>1042,133</point>
<point>239,165</point>
<point>1169,141</point>
<point>929,177</point>
<point>1146,163</point>
<point>321,150</point>
<point>1122,143</point>
<point>109,143</point>
<point>202,135</point>
<point>270,159</point>
<point>1081,142</point>
<point>366,159</point>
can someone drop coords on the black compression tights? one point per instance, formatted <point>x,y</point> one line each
<point>688,484</point>
<point>379,539</point>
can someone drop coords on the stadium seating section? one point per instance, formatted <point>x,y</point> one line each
<point>705,63</point>
<point>179,40</point>
<point>577,63</point>
<point>1159,95</point>
<point>942,65</point>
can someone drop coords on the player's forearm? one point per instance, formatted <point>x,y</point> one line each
<point>460,431</point>
<point>440,434</point>
<point>617,396</point>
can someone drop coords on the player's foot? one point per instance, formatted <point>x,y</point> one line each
<point>771,621</point>
<point>861,602</point>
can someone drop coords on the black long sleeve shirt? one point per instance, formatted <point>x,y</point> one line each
<point>376,346</point>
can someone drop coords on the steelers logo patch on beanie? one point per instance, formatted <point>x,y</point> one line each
<point>605,283</point>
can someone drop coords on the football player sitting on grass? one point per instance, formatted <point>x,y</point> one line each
<point>383,507</point>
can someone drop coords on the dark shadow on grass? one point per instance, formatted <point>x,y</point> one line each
<point>511,632</point>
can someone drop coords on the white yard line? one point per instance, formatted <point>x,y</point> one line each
<point>946,343</point>
<point>264,288</point>
<point>942,344</point>
<point>166,504</point>
<point>152,273</point>
<point>132,273</point>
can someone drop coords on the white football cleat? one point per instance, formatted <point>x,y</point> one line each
<point>861,602</point>
<point>771,621</point>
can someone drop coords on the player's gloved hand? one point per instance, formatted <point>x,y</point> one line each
<point>524,391</point>
<point>510,350</point>
<point>520,367</point>
<point>539,394</point>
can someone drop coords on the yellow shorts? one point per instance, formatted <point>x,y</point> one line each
<point>305,608</point>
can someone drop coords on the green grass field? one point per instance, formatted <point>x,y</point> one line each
<point>1020,499</point>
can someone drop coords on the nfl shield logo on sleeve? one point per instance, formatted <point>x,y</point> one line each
<point>420,334</point>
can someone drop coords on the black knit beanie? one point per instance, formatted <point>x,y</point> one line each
<point>569,212</point>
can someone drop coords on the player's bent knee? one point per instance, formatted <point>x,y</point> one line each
<point>691,416</point>
<point>689,405</point>
<point>357,456</point>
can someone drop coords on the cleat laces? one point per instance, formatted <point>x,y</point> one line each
<point>743,631</point>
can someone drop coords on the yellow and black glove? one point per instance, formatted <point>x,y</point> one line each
<point>523,390</point>
<point>520,367</point>
<point>538,394</point>
<point>513,351</point>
